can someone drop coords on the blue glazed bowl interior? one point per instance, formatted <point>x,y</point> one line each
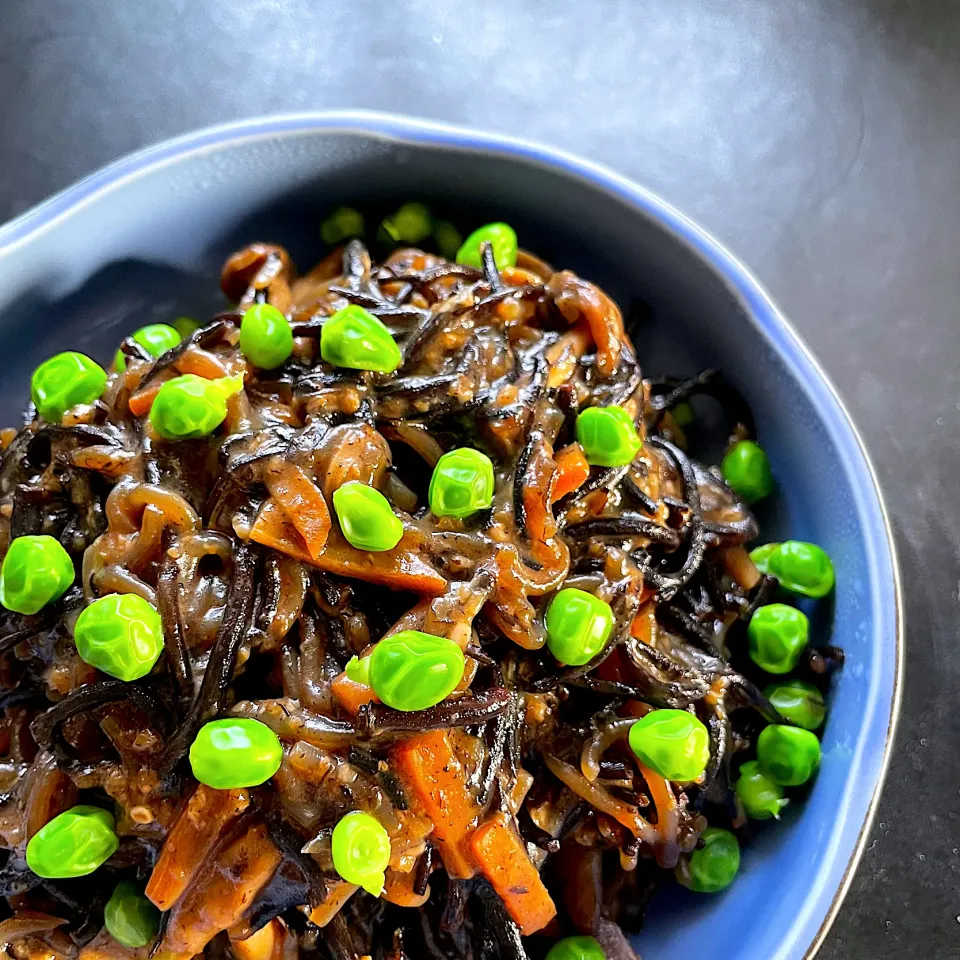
<point>144,242</point>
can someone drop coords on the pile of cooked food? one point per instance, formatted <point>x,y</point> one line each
<point>387,614</point>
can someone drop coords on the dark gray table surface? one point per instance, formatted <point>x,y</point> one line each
<point>820,139</point>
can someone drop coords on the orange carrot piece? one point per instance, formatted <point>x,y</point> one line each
<point>401,568</point>
<point>572,470</point>
<point>350,694</point>
<point>219,897</point>
<point>502,857</point>
<point>266,944</point>
<point>432,773</point>
<point>338,893</point>
<point>141,402</point>
<point>302,503</point>
<point>668,816</point>
<point>191,839</point>
<point>398,889</point>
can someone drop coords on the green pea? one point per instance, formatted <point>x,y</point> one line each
<point>803,568</point>
<point>762,798</point>
<point>189,407</point>
<point>712,867</point>
<point>501,237</point>
<point>357,340</point>
<point>746,470</point>
<point>761,556</point>
<point>412,223</point>
<point>447,237</point>
<point>266,339</point>
<point>361,851</point>
<point>410,670</point>
<point>462,483</point>
<point>673,743</point>
<point>608,436</point>
<point>683,415</point>
<point>576,948</point>
<point>130,918</point>
<point>235,752</point>
<point>120,634</point>
<point>387,235</point>
<point>366,517</point>
<point>799,702</point>
<point>578,626</point>
<point>777,636</point>
<point>155,338</point>
<point>186,326</point>
<point>36,571</point>
<point>64,381</point>
<point>343,224</point>
<point>73,844</point>
<point>788,755</point>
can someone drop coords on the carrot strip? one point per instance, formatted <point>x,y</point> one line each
<point>502,857</point>
<point>192,837</point>
<point>572,470</point>
<point>218,899</point>
<point>350,695</point>
<point>668,817</point>
<point>432,773</point>
<point>266,944</point>
<point>302,502</point>
<point>338,893</point>
<point>141,402</point>
<point>401,568</point>
<point>398,889</point>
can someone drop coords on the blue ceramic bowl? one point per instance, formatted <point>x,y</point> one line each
<point>143,241</point>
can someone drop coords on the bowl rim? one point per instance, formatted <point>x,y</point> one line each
<point>814,921</point>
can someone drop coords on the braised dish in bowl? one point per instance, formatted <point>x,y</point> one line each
<point>388,607</point>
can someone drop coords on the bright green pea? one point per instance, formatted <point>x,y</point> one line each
<point>235,752</point>
<point>35,572</point>
<point>761,556</point>
<point>410,670</point>
<point>266,339</point>
<point>155,338</point>
<point>130,918</point>
<point>608,436</point>
<point>714,864</point>
<point>357,340</point>
<point>799,702</point>
<point>462,483</point>
<point>64,381</point>
<point>185,326</point>
<point>366,517</point>
<point>412,223</point>
<point>501,237</point>
<point>189,407</point>
<point>746,470</point>
<point>447,237</point>
<point>386,234</point>
<point>361,851</point>
<point>803,568</point>
<point>777,636</point>
<point>762,798</point>
<point>576,948</point>
<point>73,844</point>
<point>683,415</point>
<point>343,224</point>
<point>673,743</point>
<point>788,755</point>
<point>578,626</point>
<point>120,634</point>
